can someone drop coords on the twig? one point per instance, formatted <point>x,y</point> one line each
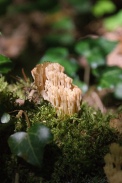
<point>16,177</point>
<point>24,75</point>
<point>20,112</point>
<point>87,74</point>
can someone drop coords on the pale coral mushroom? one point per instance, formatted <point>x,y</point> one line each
<point>57,88</point>
<point>113,167</point>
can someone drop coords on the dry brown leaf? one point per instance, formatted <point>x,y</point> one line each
<point>115,57</point>
<point>93,100</point>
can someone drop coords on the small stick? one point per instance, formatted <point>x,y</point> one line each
<point>25,114</point>
<point>16,177</point>
<point>24,75</point>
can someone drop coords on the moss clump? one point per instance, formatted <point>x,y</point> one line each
<point>83,141</point>
<point>80,142</point>
<point>3,84</point>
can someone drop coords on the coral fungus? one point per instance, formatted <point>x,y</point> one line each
<point>57,88</point>
<point>113,165</point>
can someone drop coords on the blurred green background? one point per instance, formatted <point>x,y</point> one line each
<point>78,34</point>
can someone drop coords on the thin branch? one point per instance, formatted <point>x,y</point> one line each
<point>24,75</point>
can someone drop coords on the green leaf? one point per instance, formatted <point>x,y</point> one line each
<point>60,55</point>
<point>3,1</point>
<point>5,64</point>
<point>3,6</point>
<point>80,84</point>
<point>4,59</point>
<point>110,77</point>
<point>65,23</point>
<point>57,52</point>
<point>3,84</point>
<point>30,146</point>
<point>62,38</point>
<point>118,91</point>
<point>5,118</point>
<point>102,6</point>
<point>113,22</point>
<point>95,50</point>
<point>81,6</point>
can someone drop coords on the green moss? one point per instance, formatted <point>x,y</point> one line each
<point>21,88</point>
<point>83,140</point>
<point>80,141</point>
<point>3,84</point>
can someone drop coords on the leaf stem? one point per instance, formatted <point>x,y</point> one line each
<point>20,112</point>
<point>16,177</point>
<point>87,74</point>
<point>27,119</point>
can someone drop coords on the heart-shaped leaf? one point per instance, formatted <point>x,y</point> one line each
<point>65,23</point>
<point>5,64</point>
<point>5,118</point>
<point>60,38</point>
<point>118,91</point>
<point>30,145</point>
<point>61,56</point>
<point>103,7</point>
<point>111,23</point>
<point>81,6</point>
<point>109,77</point>
<point>95,50</point>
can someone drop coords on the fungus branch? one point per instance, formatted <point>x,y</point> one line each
<point>57,88</point>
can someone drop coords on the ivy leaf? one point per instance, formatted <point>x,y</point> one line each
<point>65,23</point>
<point>5,118</point>
<point>102,7</point>
<point>80,84</point>
<point>95,50</point>
<point>64,38</point>
<point>30,146</point>
<point>118,91</point>
<point>56,53</point>
<point>60,55</point>
<point>81,6</point>
<point>109,77</point>
<point>113,22</point>
<point>5,64</point>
